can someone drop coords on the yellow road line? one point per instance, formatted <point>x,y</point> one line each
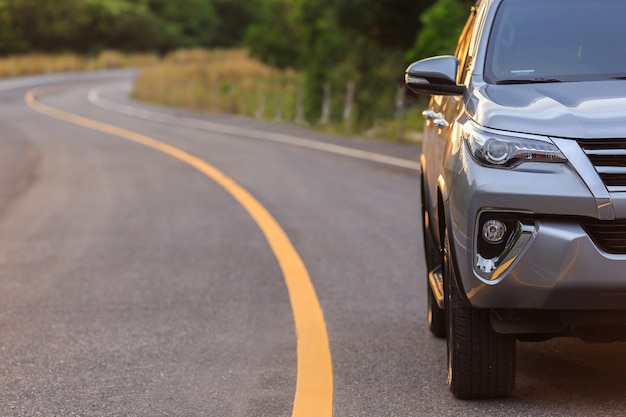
<point>314,386</point>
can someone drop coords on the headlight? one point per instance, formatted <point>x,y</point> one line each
<point>501,150</point>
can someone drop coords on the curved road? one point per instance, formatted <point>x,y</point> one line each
<point>133,283</point>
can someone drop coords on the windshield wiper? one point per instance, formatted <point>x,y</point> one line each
<point>529,81</point>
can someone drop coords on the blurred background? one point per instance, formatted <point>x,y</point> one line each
<point>336,65</point>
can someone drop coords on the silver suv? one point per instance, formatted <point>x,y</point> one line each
<point>524,183</point>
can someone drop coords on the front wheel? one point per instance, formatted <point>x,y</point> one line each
<point>481,362</point>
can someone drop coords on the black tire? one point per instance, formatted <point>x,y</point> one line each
<point>481,362</point>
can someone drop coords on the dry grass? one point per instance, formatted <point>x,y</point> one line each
<point>32,64</point>
<point>229,81</point>
<point>221,80</point>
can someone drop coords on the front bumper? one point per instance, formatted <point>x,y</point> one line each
<point>558,266</point>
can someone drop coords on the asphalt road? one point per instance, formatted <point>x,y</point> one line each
<point>133,285</point>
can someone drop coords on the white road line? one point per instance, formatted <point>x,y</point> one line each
<point>7,84</point>
<point>96,99</point>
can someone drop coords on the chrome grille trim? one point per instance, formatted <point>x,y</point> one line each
<point>608,157</point>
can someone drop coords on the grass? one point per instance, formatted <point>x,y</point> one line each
<point>229,81</point>
<point>33,64</point>
<point>226,81</point>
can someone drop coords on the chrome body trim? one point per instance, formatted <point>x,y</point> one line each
<point>491,270</point>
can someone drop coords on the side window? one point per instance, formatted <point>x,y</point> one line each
<point>469,39</point>
<point>462,48</point>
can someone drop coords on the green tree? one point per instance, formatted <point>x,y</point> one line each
<point>336,42</point>
<point>11,37</point>
<point>33,25</point>
<point>441,26</point>
<point>186,23</point>
<point>274,37</point>
<point>233,19</point>
<point>390,24</point>
<point>157,25</point>
<point>129,25</point>
<point>323,47</point>
<point>120,24</point>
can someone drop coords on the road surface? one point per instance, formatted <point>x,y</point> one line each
<point>142,271</point>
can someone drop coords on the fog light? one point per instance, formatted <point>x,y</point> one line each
<point>494,231</point>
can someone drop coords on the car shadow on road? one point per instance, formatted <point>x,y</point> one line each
<point>559,377</point>
<point>573,373</point>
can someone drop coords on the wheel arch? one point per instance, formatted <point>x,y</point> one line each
<point>444,220</point>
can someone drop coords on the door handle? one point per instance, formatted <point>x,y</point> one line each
<point>441,122</point>
<point>436,118</point>
<point>429,114</point>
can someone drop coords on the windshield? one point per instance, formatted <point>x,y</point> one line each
<point>557,40</point>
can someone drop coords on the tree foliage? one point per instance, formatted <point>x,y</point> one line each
<point>331,42</point>
<point>441,27</point>
<point>120,25</point>
<point>130,25</point>
<point>35,25</point>
<point>340,41</point>
<point>274,37</point>
<point>390,24</point>
<point>186,23</point>
<point>233,19</point>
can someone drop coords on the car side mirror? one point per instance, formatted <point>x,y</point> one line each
<point>434,76</point>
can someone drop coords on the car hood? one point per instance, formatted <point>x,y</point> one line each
<point>590,109</point>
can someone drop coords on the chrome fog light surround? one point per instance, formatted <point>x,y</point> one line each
<point>500,239</point>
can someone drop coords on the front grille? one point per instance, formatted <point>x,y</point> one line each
<point>610,236</point>
<point>608,156</point>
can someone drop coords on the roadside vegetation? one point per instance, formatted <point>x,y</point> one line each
<point>331,64</point>
<point>231,81</point>
<point>226,81</point>
<point>36,63</point>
